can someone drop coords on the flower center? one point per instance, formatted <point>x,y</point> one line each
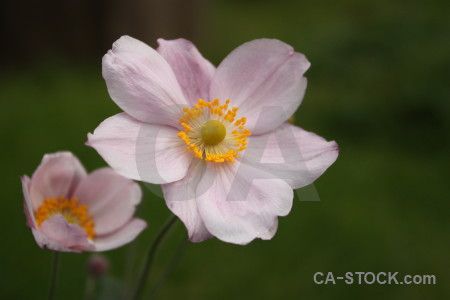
<point>211,131</point>
<point>68,208</point>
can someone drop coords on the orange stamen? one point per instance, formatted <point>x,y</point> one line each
<point>68,208</point>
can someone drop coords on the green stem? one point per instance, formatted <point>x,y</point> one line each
<point>169,268</point>
<point>151,255</point>
<point>54,276</point>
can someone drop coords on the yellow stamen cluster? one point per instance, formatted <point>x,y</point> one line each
<point>68,208</point>
<point>224,147</point>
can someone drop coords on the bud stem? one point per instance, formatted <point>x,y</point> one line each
<point>54,275</point>
<point>151,255</point>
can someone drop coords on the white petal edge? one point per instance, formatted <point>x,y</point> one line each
<point>67,235</point>
<point>141,151</point>
<point>111,199</point>
<point>180,199</point>
<point>264,79</point>
<point>291,153</point>
<point>194,73</point>
<point>121,237</point>
<point>142,83</point>
<point>46,243</point>
<point>237,206</point>
<point>28,209</point>
<point>56,176</point>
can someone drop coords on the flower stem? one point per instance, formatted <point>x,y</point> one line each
<point>151,255</point>
<point>54,276</point>
<point>169,268</point>
<point>90,287</point>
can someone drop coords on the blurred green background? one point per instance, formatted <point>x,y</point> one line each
<point>378,85</point>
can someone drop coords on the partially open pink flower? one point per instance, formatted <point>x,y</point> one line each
<point>216,139</point>
<point>70,211</point>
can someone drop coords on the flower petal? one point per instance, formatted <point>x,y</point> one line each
<point>111,199</point>
<point>271,232</point>
<point>237,206</point>
<point>264,78</point>
<point>142,83</point>
<point>46,243</point>
<point>70,236</point>
<point>141,151</point>
<point>193,71</point>
<point>120,237</point>
<point>292,154</point>
<point>31,221</point>
<point>57,176</point>
<point>180,198</point>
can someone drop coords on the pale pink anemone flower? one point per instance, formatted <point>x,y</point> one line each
<point>215,138</point>
<point>71,211</point>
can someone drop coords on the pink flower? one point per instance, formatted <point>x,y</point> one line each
<point>228,164</point>
<point>70,211</point>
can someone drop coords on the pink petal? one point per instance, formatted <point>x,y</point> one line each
<point>271,232</point>
<point>180,198</point>
<point>46,243</point>
<point>67,235</point>
<point>264,78</point>
<point>292,154</point>
<point>57,176</point>
<point>142,83</point>
<point>26,181</point>
<point>140,151</point>
<point>193,71</point>
<point>122,236</point>
<point>237,206</point>
<point>111,199</point>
